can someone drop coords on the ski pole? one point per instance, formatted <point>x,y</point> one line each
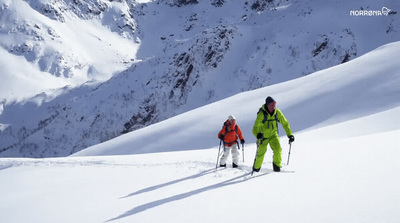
<point>216,166</point>
<point>290,147</point>
<point>243,151</point>
<point>255,157</point>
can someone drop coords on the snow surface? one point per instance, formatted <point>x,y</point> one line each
<point>345,161</point>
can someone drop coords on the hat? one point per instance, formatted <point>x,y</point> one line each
<point>231,117</point>
<point>269,100</point>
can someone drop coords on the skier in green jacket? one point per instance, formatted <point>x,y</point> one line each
<point>265,129</point>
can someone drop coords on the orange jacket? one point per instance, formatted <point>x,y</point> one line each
<point>231,133</point>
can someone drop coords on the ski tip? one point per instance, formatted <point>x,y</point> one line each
<point>286,171</point>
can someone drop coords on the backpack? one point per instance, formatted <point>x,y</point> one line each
<point>265,113</point>
<point>226,128</point>
<point>226,132</point>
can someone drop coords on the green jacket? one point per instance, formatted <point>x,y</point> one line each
<point>268,125</point>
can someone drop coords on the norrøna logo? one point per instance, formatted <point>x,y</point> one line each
<point>385,11</point>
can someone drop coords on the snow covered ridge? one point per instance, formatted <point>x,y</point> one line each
<point>93,70</point>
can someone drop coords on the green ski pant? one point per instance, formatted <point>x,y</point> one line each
<point>262,149</point>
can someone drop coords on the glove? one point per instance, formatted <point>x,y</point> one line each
<point>291,138</point>
<point>221,136</point>
<point>242,141</point>
<point>260,135</point>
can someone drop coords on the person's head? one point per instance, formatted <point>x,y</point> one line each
<point>270,103</point>
<point>232,119</point>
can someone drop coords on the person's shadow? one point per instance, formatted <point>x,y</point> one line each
<point>144,207</point>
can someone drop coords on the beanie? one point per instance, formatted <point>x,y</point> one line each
<point>231,117</point>
<point>269,100</point>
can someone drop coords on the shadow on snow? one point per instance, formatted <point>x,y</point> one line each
<point>239,179</point>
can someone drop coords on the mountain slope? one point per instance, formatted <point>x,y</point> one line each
<point>362,87</point>
<point>181,55</point>
<point>72,41</point>
<point>343,165</point>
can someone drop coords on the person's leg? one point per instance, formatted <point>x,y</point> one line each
<point>262,149</point>
<point>225,155</point>
<point>276,148</point>
<point>235,155</point>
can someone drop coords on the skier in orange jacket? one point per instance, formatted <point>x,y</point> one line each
<point>229,134</point>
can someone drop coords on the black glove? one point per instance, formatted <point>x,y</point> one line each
<point>260,135</point>
<point>291,138</point>
<point>221,136</point>
<point>242,141</point>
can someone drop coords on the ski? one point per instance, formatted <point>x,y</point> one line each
<point>286,171</point>
<point>267,171</point>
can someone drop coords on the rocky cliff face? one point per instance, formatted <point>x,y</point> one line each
<point>189,54</point>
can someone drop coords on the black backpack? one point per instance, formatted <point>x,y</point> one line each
<point>265,113</point>
<point>226,128</point>
<point>226,132</point>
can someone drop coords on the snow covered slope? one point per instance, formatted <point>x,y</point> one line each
<point>343,166</point>
<point>362,87</point>
<point>47,45</point>
<point>163,58</point>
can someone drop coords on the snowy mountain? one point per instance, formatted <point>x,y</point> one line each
<point>78,73</point>
<point>343,165</point>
